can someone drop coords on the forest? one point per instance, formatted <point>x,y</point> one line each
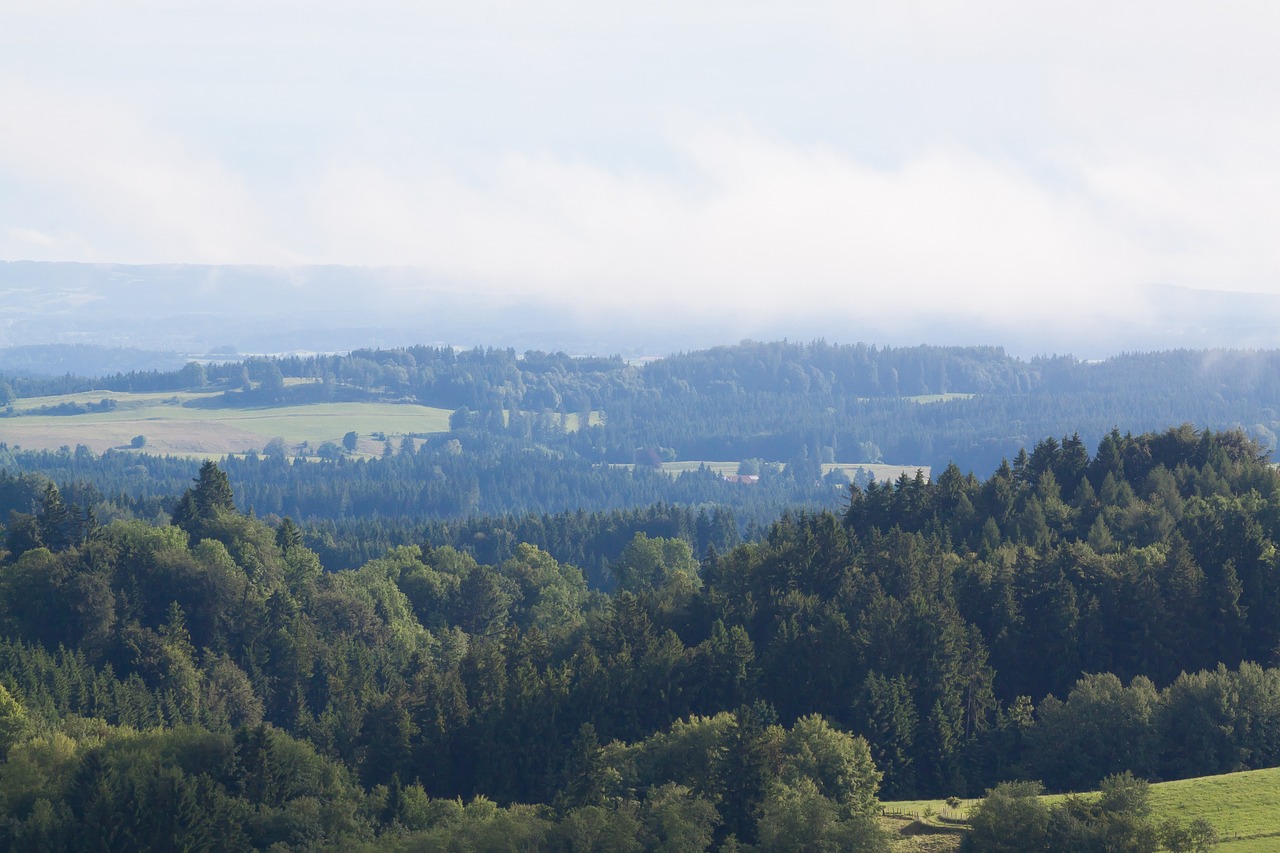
<point>778,401</point>
<point>521,635</point>
<point>201,680</point>
<point>783,410</point>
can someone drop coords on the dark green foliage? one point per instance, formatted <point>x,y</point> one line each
<point>199,506</point>
<point>800,403</point>
<point>213,672</point>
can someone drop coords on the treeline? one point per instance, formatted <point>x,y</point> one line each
<point>742,697</point>
<point>468,489</point>
<point>802,404</point>
<point>1152,557</point>
<point>301,708</point>
<point>590,541</point>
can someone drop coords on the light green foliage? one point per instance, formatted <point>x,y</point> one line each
<point>797,818</point>
<point>183,788</point>
<point>37,766</point>
<point>838,763</point>
<point>419,811</point>
<point>481,825</point>
<point>13,720</point>
<point>139,539</point>
<point>1103,727</point>
<point>302,568</point>
<point>592,829</point>
<point>431,586</point>
<point>1123,815</point>
<point>551,595</point>
<point>213,555</point>
<point>1010,819</point>
<point>810,785</point>
<point>654,564</point>
<point>385,611</point>
<point>690,752</point>
<point>676,819</point>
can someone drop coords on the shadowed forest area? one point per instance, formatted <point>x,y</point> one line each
<point>1071,617</point>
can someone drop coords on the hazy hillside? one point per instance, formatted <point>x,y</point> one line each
<point>256,309</point>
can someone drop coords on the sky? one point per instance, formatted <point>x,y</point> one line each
<point>1010,159</point>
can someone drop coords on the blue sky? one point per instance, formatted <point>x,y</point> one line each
<point>1009,157</point>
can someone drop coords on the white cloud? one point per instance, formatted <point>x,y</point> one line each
<point>996,158</point>
<point>755,226</point>
<point>31,237</point>
<point>123,187</point>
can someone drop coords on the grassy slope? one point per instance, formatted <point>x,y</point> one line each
<point>1243,807</point>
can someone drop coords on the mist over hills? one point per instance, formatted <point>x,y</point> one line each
<point>193,310</point>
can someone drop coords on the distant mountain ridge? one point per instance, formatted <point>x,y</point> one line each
<point>90,360</point>
<point>193,309</point>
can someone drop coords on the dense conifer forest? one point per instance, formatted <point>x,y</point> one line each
<point>199,680</point>
<point>516,635</point>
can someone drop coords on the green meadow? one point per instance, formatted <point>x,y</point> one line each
<point>171,427</point>
<point>1243,807</point>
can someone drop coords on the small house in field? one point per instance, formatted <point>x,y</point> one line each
<point>743,479</point>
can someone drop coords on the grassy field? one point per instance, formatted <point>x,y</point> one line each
<point>1243,807</point>
<point>721,468</point>
<point>908,835</point>
<point>173,428</point>
<point>880,471</point>
<point>937,398</point>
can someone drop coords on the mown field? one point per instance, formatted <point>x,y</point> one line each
<point>171,427</point>
<point>878,470</point>
<point>851,469</point>
<point>1243,807</point>
<point>938,398</point>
